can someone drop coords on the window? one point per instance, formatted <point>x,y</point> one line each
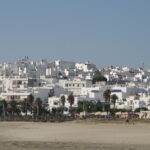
<point>55,103</point>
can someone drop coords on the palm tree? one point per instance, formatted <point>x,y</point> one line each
<point>106,95</point>
<point>71,99</point>
<point>114,97</point>
<point>3,108</point>
<point>12,107</point>
<point>71,102</point>
<point>38,105</point>
<point>24,106</point>
<point>29,102</point>
<point>63,100</point>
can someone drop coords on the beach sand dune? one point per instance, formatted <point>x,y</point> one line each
<point>71,136</point>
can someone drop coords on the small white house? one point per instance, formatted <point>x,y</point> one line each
<point>55,102</point>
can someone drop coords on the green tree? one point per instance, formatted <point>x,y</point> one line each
<point>114,97</point>
<point>24,106</point>
<point>80,107</point>
<point>107,108</point>
<point>141,109</point>
<point>98,77</point>
<point>71,99</point>
<point>88,106</point>
<point>97,107</point>
<point>30,100</point>
<point>12,108</point>
<point>38,106</point>
<point>3,108</point>
<point>63,100</point>
<point>106,95</point>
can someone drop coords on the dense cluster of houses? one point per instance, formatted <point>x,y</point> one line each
<point>50,80</point>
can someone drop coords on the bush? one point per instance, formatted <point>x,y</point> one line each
<point>141,109</point>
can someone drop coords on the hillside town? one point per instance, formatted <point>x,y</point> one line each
<point>73,85</point>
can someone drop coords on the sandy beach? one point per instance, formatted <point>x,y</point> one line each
<point>72,135</point>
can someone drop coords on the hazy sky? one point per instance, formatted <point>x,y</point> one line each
<point>105,32</point>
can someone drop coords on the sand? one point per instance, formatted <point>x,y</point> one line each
<point>72,135</point>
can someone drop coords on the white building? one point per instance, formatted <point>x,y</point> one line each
<point>18,96</point>
<point>74,86</point>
